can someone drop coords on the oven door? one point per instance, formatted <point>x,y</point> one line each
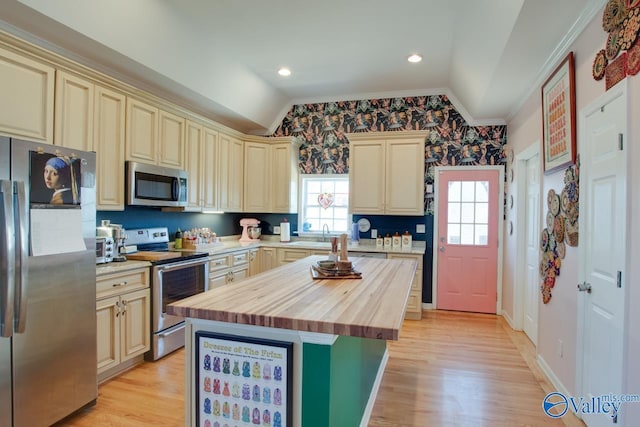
<point>173,282</point>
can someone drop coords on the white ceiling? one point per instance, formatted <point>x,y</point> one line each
<point>220,57</point>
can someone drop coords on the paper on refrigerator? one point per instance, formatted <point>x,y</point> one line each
<point>56,231</point>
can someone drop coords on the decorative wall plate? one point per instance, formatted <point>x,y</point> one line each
<point>544,240</point>
<point>613,45</point>
<point>550,220</point>
<point>510,228</point>
<point>561,248</point>
<point>558,229</point>
<point>510,175</point>
<point>599,64</point>
<point>614,13</point>
<point>364,225</point>
<point>633,59</point>
<point>510,201</point>
<point>616,71</point>
<point>629,31</point>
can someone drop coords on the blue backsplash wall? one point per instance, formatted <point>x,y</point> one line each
<point>229,224</point>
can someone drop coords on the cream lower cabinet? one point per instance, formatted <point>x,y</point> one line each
<point>414,305</point>
<point>286,255</point>
<point>123,321</point>
<point>232,267</point>
<point>269,258</point>
<point>27,89</point>
<point>386,174</point>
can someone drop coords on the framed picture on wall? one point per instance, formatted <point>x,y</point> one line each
<point>559,117</point>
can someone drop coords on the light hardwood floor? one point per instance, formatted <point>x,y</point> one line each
<point>449,369</point>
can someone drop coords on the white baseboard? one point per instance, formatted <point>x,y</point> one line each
<point>374,390</point>
<point>509,320</point>
<point>428,306</point>
<point>555,381</point>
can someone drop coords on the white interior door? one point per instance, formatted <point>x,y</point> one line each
<point>603,249</point>
<point>532,227</point>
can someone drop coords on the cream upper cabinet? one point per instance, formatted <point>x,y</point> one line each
<point>257,173</point>
<point>366,176</point>
<point>210,163</point>
<point>108,139</point>
<point>404,189</point>
<point>171,140</point>
<point>386,174</point>
<point>141,131</point>
<point>200,156</point>
<point>30,87</point>
<point>230,173</point>
<point>270,175</point>
<point>284,178</point>
<point>74,112</point>
<point>154,136</point>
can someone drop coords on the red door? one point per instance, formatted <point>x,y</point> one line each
<point>468,209</point>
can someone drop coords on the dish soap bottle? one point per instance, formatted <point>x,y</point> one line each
<point>178,240</point>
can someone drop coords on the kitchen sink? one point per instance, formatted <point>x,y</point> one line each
<point>310,244</point>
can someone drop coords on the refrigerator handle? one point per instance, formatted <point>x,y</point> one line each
<point>7,266</point>
<point>22,254</point>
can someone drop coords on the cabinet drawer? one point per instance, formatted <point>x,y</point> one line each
<point>290,255</point>
<point>117,283</point>
<point>241,258</point>
<point>414,303</point>
<point>217,263</point>
<point>406,256</point>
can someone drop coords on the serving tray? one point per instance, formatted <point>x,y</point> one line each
<point>322,273</point>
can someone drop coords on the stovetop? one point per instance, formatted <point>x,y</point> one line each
<point>153,246</point>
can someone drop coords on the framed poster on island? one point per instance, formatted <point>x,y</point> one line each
<point>242,380</point>
<point>559,117</point>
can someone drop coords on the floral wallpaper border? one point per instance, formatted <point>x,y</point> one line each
<point>324,148</point>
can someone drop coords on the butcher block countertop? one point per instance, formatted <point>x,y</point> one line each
<point>288,297</point>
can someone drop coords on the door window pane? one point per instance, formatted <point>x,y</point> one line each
<point>468,213</point>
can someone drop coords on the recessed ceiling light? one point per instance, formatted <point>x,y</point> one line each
<point>414,58</point>
<point>284,72</point>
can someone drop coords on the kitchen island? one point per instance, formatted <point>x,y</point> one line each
<point>320,343</point>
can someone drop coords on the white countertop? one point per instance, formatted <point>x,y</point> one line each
<point>117,267</point>
<point>228,245</point>
<point>231,244</point>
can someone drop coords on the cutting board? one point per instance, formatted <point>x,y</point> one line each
<point>152,256</point>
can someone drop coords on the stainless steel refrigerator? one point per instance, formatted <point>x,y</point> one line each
<point>47,283</point>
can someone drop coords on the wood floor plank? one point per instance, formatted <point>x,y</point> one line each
<point>448,369</point>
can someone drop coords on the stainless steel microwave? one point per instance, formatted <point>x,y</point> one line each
<point>150,185</point>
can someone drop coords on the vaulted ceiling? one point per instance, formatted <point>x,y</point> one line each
<point>220,57</point>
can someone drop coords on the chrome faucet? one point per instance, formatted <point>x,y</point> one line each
<point>325,226</point>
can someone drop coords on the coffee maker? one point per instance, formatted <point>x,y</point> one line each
<point>117,233</point>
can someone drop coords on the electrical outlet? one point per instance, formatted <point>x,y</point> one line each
<point>276,229</point>
<point>374,233</point>
<point>421,228</point>
<point>560,348</point>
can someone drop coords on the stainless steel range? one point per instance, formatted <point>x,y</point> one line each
<point>175,275</point>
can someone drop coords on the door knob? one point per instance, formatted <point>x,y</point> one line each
<point>584,287</point>
<point>441,248</point>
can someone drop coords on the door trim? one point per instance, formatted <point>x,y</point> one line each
<point>434,272</point>
<point>520,287</point>
<point>619,90</point>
